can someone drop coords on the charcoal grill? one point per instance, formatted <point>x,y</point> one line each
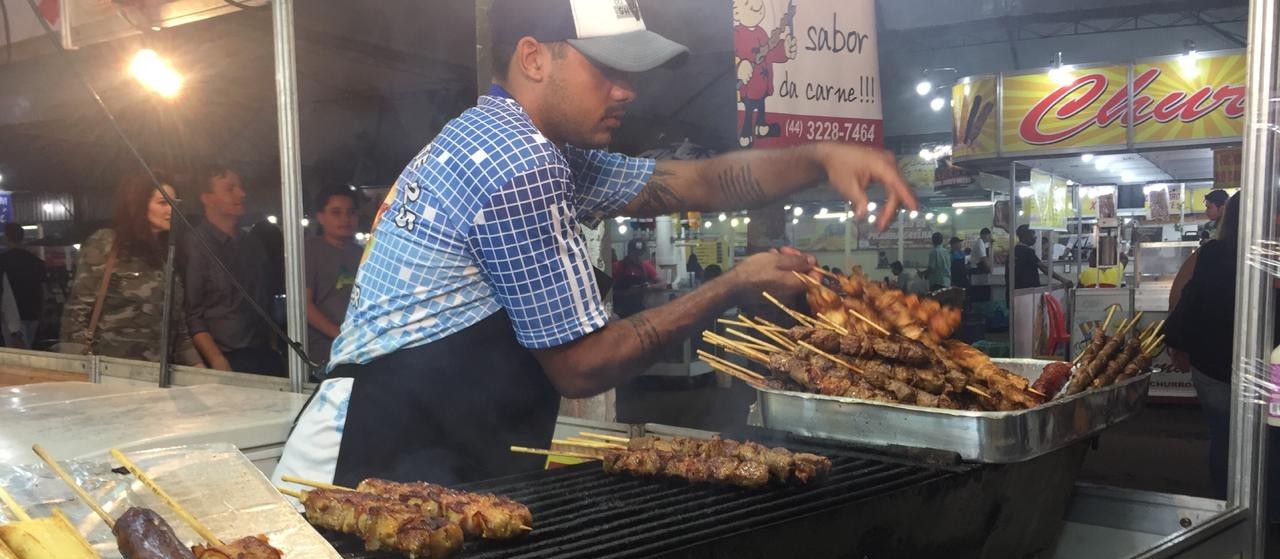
<point>870,506</point>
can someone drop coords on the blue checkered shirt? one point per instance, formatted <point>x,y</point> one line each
<point>485,218</point>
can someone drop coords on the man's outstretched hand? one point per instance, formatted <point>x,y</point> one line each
<point>851,170</point>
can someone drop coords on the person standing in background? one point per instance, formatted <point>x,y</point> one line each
<point>939,271</point>
<point>24,275</point>
<point>1028,265</point>
<point>121,273</point>
<point>632,276</point>
<point>959,272</point>
<point>229,334</point>
<point>332,261</point>
<point>901,278</point>
<point>982,252</point>
<point>1215,203</point>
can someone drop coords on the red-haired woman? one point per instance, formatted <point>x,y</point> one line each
<point>121,270</point>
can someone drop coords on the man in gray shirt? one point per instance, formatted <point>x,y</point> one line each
<point>224,327</point>
<point>332,261</point>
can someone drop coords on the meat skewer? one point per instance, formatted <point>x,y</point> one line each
<point>1116,366</point>
<point>248,547</point>
<point>478,514</point>
<point>140,533</point>
<point>783,464</point>
<point>383,524</point>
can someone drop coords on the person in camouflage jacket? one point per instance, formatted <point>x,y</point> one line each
<point>130,324</point>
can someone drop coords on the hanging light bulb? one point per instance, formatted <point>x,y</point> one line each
<point>959,211</point>
<point>797,211</point>
<point>937,104</point>
<point>871,206</point>
<point>722,217</point>
<point>914,214</point>
<point>746,220</point>
<point>924,87</point>
<point>706,224</point>
<point>871,218</point>
<point>622,229</point>
<point>794,221</point>
<point>942,218</point>
<point>733,222</point>
<point>928,215</point>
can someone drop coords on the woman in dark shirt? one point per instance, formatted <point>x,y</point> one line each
<point>1201,333</point>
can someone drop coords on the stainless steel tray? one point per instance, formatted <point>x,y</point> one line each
<point>992,437</point>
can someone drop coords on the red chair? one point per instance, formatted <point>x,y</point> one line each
<point>1058,333</point>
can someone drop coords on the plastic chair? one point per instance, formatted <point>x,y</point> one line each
<point>1058,333</point>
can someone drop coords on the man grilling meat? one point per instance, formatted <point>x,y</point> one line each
<point>476,308</point>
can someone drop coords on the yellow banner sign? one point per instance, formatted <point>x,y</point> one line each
<point>973,117</point>
<point>1176,100</point>
<point>1189,99</point>
<point>1067,110</point>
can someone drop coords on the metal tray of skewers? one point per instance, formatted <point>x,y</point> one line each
<point>977,436</point>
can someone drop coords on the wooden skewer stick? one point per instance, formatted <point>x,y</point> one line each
<point>756,377</point>
<point>576,440</point>
<point>1146,331</point>
<point>832,275</point>
<point>1131,323</point>
<point>832,358</point>
<point>1153,342</point>
<point>978,391</point>
<point>738,350</point>
<point>753,339</point>
<point>588,444</point>
<point>1037,392</point>
<point>782,340</point>
<point>75,487</point>
<point>603,437</point>
<point>746,340</point>
<point>809,280</point>
<point>1154,330</point>
<point>831,325</point>
<point>721,341</point>
<point>71,528</point>
<point>743,323</point>
<point>869,322</point>
<point>802,319</point>
<point>182,512</point>
<point>295,494</point>
<point>1111,312</point>
<point>315,484</point>
<point>13,505</point>
<point>544,452</point>
<point>733,373</point>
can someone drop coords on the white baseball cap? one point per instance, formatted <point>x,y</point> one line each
<point>611,33</point>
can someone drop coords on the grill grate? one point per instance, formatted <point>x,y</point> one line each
<point>581,512</point>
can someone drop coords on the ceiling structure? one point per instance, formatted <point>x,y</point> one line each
<point>1179,165</point>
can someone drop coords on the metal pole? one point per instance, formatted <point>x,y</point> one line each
<point>1254,295</point>
<point>290,183</point>
<point>1009,265</point>
<point>166,315</point>
<point>902,228</point>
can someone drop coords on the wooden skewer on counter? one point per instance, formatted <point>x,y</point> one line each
<point>751,339</point>
<point>75,487</point>
<point>545,452</point>
<point>771,332</point>
<point>744,323</point>
<point>13,505</point>
<point>738,349</point>
<point>603,437</point>
<point>146,480</point>
<point>731,369</point>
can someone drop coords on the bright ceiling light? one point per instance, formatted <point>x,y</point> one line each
<point>622,229</point>
<point>871,206</point>
<point>928,215</point>
<point>746,220</point>
<point>924,154</point>
<point>1,178</point>
<point>733,222</point>
<point>1019,213</point>
<point>794,221</point>
<point>797,211</point>
<point>706,224</point>
<point>871,218</point>
<point>620,219</point>
<point>1025,192</point>
<point>914,214</point>
<point>974,204</point>
<point>959,211</point>
<point>1086,157</point>
<point>47,207</point>
<point>1061,75</point>
<point>844,218</point>
<point>937,104</point>
<point>924,87</point>
<point>822,211</point>
<point>787,207</point>
<point>942,218</point>
<point>721,217</point>
<point>155,73</point>
<point>306,222</point>
<point>273,219</point>
<point>1189,61</point>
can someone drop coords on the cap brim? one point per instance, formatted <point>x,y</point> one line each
<point>638,51</point>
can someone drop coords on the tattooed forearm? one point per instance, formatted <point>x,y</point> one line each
<point>741,188</point>
<point>650,338</point>
<point>657,197</point>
